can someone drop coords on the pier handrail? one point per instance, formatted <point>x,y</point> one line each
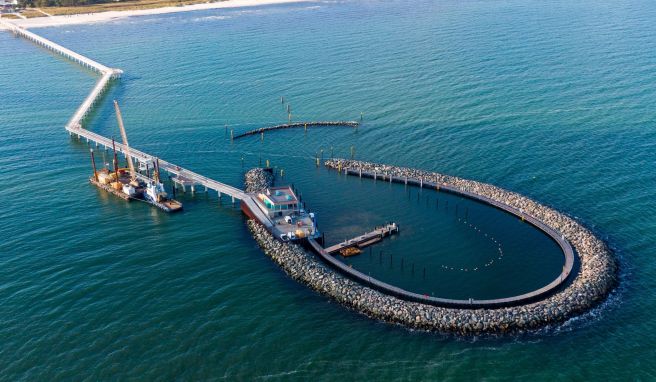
<point>74,125</point>
<point>88,102</point>
<point>100,68</point>
<point>168,166</point>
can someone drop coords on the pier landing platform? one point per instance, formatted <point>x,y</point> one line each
<point>367,239</point>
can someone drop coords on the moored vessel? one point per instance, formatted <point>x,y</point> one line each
<point>127,183</point>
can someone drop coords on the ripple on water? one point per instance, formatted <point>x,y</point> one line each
<point>554,103</point>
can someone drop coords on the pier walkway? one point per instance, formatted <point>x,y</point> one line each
<point>297,125</point>
<point>74,125</point>
<point>44,42</point>
<point>367,239</point>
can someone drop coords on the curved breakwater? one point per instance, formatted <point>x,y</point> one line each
<point>353,124</point>
<point>596,278</point>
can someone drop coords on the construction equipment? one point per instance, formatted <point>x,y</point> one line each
<point>130,188</point>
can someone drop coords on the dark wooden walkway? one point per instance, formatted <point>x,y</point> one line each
<point>366,239</point>
<point>297,125</point>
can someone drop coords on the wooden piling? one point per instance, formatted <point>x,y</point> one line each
<point>93,165</point>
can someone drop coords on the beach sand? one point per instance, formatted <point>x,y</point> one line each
<point>88,18</point>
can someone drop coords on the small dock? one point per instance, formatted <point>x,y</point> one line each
<point>367,239</point>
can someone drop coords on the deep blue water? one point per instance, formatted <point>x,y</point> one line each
<point>550,99</point>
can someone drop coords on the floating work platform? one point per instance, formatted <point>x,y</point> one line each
<point>110,189</point>
<point>365,240</point>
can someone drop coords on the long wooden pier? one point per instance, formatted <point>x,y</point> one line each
<point>44,42</point>
<point>367,239</point>
<point>75,128</point>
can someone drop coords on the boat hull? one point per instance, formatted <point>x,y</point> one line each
<point>110,189</point>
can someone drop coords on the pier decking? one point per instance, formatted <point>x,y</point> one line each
<point>44,42</point>
<point>367,239</point>
<point>74,125</point>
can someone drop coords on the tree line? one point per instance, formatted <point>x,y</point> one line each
<point>59,3</point>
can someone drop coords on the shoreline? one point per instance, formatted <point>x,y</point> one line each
<point>99,17</point>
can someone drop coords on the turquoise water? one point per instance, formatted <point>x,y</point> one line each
<point>553,100</point>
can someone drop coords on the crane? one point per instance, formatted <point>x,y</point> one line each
<point>119,118</point>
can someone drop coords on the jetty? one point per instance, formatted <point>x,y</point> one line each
<point>305,125</point>
<point>179,175</point>
<point>44,42</point>
<point>366,239</point>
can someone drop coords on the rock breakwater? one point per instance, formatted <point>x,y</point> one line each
<point>257,179</point>
<point>596,278</point>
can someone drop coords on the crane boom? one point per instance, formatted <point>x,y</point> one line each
<point>119,118</point>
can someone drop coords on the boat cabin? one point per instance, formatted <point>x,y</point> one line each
<point>279,201</point>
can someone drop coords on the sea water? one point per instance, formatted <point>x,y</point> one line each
<point>553,100</point>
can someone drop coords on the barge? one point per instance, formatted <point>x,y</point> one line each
<point>127,183</point>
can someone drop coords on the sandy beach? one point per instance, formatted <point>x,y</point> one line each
<point>88,18</point>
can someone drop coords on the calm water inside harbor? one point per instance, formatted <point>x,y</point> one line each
<point>553,100</point>
<point>459,248</point>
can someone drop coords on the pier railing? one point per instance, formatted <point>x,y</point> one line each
<point>44,42</point>
<point>74,125</point>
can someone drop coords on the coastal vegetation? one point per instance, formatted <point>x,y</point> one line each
<point>71,7</point>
